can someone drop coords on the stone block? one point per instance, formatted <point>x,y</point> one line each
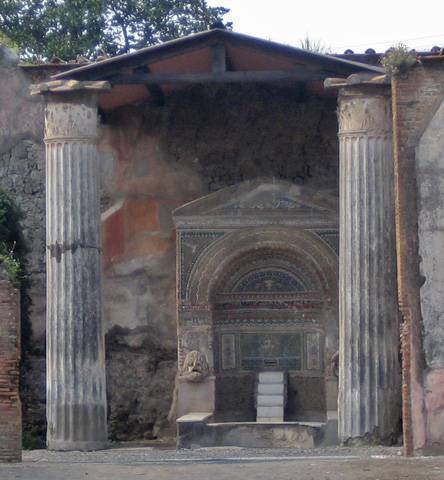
<point>270,389</point>
<point>195,417</point>
<point>195,396</point>
<point>271,377</point>
<point>270,412</point>
<point>270,400</point>
<point>249,435</point>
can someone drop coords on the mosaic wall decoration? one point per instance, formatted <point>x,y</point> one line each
<point>269,280</point>
<point>299,351</point>
<point>236,303</point>
<point>228,350</point>
<point>269,272</point>
<point>268,321</point>
<point>262,351</point>
<point>195,318</point>
<point>331,238</point>
<point>313,351</point>
<point>191,246</point>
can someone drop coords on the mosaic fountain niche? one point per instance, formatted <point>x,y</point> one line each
<point>257,291</point>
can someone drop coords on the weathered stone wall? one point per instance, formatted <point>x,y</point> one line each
<point>419,115</point>
<point>10,406</point>
<point>22,173</point>
<point>430,162</point>
<point>22,162</point>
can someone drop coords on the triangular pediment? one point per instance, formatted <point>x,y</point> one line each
<point>244,52</point>
<point>260,202</point>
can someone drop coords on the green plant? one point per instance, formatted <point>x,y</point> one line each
<point>398,59</point>
<point>10,263</point>
<point>315,46</point>
<point>30,441</point>
<point>13,246</point>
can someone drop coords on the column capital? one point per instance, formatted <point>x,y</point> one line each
<point>365,110</point>
<point>66,87</point>
<point>71,109</point>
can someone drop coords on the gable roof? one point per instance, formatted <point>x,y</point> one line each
<point>243,52</point>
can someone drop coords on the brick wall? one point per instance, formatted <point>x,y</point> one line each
<point>417,97</point>
<point>10,406</point>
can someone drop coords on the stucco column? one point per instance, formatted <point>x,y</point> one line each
<point>76,393</point>
<point>369,385</point>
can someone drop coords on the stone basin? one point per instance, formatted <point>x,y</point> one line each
<point>197,430</point>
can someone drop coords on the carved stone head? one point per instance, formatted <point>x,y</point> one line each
<point>195,367</point>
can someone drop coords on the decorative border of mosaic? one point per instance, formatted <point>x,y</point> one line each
<point>191,245</point>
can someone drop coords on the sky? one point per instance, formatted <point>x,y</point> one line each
<point>341,24</point>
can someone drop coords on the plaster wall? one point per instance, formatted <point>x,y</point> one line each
<point>430,178</point>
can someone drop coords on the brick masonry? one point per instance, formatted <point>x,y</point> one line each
<point>10,405</point>
<point>417,97</point>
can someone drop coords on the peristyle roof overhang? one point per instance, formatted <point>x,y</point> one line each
<point>213,56</point>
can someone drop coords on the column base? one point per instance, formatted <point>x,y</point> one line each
<point>76,446</point>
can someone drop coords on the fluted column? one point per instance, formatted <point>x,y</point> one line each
<point>76,393</point>
<point>369,385</point>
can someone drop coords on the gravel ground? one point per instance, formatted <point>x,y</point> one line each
<point>161,463</point>
<point>132,455</point>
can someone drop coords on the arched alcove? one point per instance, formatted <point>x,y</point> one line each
<point>268,315</point>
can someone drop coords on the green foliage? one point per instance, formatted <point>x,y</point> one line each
<point>398,59</point>
<point>314,46</point>
<point>68,28</point>
<point>11,264</point>
<point>12,242</point>
<point>4,40</point>
<point>31,441</point>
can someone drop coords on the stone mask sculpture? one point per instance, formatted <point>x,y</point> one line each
<point>195,367</point>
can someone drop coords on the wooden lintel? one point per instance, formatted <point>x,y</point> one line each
<point>225,77</point>
<point>218,58</point>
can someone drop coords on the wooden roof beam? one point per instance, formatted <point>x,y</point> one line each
<point>219,77</point>
<point>218,58</point>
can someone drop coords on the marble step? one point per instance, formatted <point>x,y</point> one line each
<point>270,400</point>
<point>270,412</point>
<point>271,377</point>
<point>270,389</point>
